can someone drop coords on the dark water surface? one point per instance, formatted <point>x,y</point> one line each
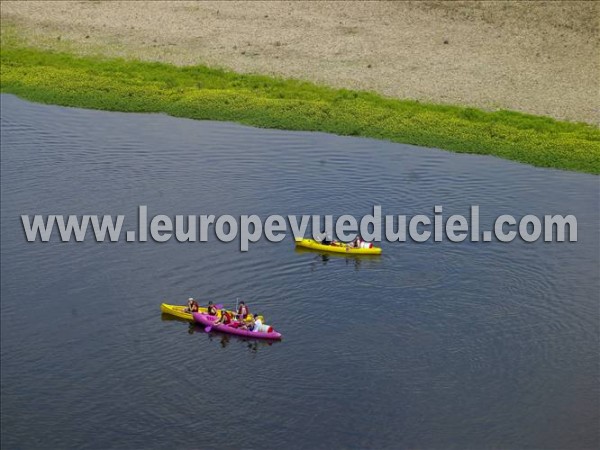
<point>434,345</point>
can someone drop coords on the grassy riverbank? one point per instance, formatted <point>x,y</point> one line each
<point>200,92</point>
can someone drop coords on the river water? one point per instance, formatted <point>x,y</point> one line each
<point>432,345</point>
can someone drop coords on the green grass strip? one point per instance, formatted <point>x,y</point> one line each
<point>200,92</point>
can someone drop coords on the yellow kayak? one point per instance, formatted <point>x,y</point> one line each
<point>338,247</point>
<point>180,311</point>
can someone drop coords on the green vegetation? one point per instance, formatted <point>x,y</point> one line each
<point>204,93</point>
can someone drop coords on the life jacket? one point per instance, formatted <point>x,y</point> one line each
<point>227,318</point>
<point>194,306</point>
<point>211,310</point>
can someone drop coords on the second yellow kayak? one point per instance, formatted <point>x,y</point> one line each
<point>338,247</point>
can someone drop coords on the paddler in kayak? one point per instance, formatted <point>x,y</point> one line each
<point>257,323</point>
<point>242,312</point>
<point>225,319</point>
<point>360,243</point>
<point>192,305</point>
<point>211,310</point>
<point>326,239</point>
<point>250,324</point>
<point>254,324</point>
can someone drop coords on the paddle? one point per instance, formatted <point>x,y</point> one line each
<point>209,327</point>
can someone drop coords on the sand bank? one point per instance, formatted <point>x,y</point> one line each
<point>535,57</point>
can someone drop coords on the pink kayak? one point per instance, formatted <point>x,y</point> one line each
<point>207,320</point>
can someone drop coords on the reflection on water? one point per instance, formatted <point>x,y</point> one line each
<point>354,261</point>
<point>253,345</point>
<point>426,346</point>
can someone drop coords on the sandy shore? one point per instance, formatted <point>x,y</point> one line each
<point>537,57</point>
